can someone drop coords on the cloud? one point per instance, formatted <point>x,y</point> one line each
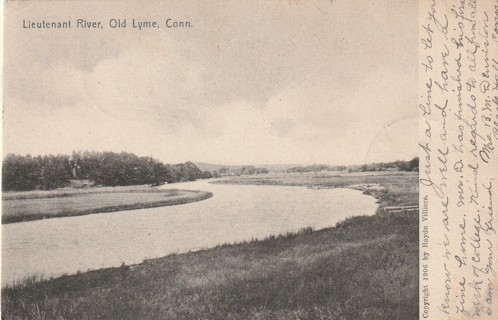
<point>56,85</point>
<point>249,84</point>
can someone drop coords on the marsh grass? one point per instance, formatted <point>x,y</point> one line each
<point>391,180</point>
<point>363,268</point>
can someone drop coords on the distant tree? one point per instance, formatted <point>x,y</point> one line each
<point>20,173</point>
<point>413,164</point>
<point>55,172</point>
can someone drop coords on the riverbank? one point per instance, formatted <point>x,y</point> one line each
<point>364,268</point>
<point>35,205</point>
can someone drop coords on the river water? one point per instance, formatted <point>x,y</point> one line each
<point>53,247</point>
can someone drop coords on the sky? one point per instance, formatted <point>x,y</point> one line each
<point>251,82</point>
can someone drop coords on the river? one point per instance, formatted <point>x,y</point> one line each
<point>53,247</point>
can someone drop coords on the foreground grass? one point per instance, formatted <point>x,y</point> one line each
<point>364,268</point>
<point>26,206</point>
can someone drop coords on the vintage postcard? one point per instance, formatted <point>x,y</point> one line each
<point>323,159</point>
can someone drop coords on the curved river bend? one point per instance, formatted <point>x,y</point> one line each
<point>59,246</point>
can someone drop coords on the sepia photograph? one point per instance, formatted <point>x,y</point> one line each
<point>210,160</point>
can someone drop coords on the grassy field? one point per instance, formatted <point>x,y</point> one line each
<point>395,180</point>
<point>364,268</point>
<point>33,205</point>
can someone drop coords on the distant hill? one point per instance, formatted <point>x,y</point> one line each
<point>216,167</point>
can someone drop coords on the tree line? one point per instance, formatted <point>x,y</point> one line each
<point>245,170</point>
<point>22,173</point>
<point>399,165</point>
